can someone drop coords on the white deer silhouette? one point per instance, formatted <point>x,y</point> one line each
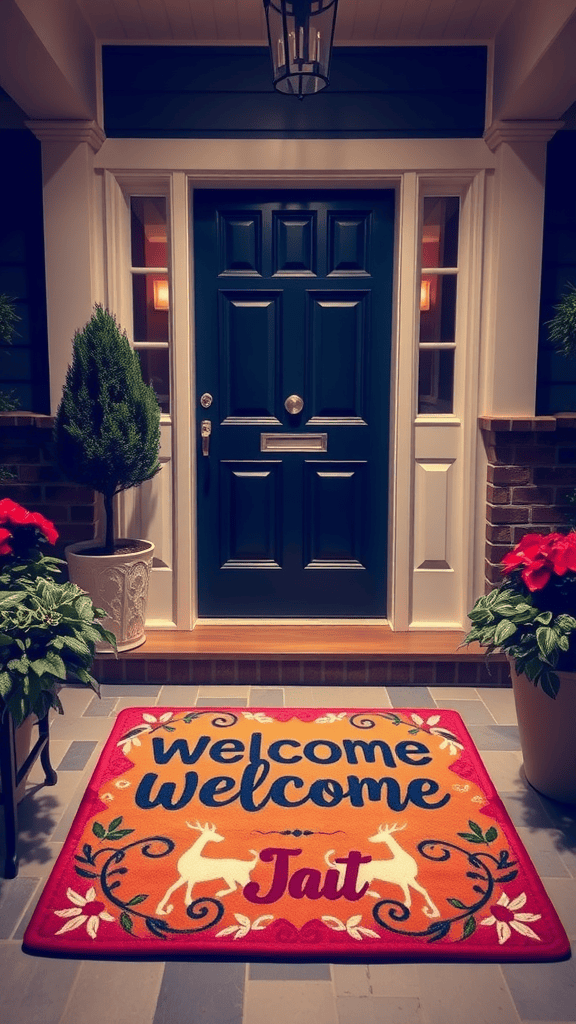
<point>193,867</point>
<point>400,869</point>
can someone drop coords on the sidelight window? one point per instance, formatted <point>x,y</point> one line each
<point>151,292</point>
<point>438,291</point>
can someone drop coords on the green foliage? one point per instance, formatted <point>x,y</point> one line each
<point>8,320</point>
<point>107,428</point>
<point>562,327</point>
<point>508,620</point>
<point>47,631</point>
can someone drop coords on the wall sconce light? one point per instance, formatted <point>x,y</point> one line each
<point>300,35</point>
<point>424,295</point>
<point>160,293</point>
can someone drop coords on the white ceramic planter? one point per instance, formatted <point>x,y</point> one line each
<point>117,583</point>
<point>547,735</point>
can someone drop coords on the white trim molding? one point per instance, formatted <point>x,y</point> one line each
<point>520,131</point>
<point>68,131</point>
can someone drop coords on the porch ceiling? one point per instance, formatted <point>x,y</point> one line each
<point>243,20</point>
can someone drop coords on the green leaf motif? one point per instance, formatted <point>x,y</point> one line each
<point>476,829</point>
<point>469,927</point>
<point>137,899</point>
<point>491,835</point>
<point>126,922</point>
<point>114,824</point>
<point>470,837</point>
<point>98,830</point>
<point>119,834</point>
<point>457,903</point>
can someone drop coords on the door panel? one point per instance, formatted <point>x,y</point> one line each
<point>293,298</point>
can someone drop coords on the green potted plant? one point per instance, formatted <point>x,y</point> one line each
<point>107,434</point>
<point>8,320</point>
<point>531,616</point>
<point>48,629</point>
<point>562,326</point>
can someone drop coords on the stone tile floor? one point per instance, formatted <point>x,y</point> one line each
<point>54,991</point>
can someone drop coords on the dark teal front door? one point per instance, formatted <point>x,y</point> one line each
<point>293,296</point>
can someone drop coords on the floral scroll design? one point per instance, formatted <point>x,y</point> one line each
<point>150,723</point>
<point>205,911</point>
<point>487,870</point>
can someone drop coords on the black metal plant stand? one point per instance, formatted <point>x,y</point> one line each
<point>11,776</point>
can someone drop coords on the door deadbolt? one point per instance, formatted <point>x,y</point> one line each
<point>206,400</point>
<point>294,404</point>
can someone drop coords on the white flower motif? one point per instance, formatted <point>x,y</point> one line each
<point>86,910</point>
<point>351,926</point>
<point>433,720</point>
<point>477,800</point>
<point>460,789</point>
<point>330,717</point>
<point>122,784</point>
<point>107,796</point>
<point>244,926</point>
<point>259,716</point>
<point>448,740</point>
<point>166,717</point>
<point>132,738</point>
<point>505,918</point>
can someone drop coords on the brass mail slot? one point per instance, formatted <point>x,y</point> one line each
<point>293,442</point>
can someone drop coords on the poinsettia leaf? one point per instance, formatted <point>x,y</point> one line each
<point>550,683</point>
<point>547,640</point>
<point>503,631</point>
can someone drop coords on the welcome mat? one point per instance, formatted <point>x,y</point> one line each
<point>280,833</point>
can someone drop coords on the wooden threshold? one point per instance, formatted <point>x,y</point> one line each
<point>288,642</point>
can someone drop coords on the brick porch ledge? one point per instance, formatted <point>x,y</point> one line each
<point>350,655</point>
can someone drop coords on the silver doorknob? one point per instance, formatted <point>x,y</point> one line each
<point>294,404</point>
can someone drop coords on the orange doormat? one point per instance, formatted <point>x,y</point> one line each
<point>282,833</point>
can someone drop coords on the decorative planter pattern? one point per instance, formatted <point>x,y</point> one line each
<point>546,729</point>
<point>119,585</point>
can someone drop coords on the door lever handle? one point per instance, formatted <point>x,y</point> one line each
<point>205,431</point>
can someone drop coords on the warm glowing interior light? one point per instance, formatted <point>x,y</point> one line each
<point>424,296</point>
<point>160,293</point>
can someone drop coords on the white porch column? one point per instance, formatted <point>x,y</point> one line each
<point>513,265</point>
<point>71,239</point>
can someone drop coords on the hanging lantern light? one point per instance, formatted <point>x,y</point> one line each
<point>300,35</point>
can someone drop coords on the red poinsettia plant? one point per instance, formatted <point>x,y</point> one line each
<point>531,615</point>
<point>48,630</point>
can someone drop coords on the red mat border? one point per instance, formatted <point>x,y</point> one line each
<point>312,944</point>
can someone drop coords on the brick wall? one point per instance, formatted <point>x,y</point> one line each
<point>531,470</point>
<point>27,451</point>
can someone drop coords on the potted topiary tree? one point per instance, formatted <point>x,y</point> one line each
<point>107,435</point>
